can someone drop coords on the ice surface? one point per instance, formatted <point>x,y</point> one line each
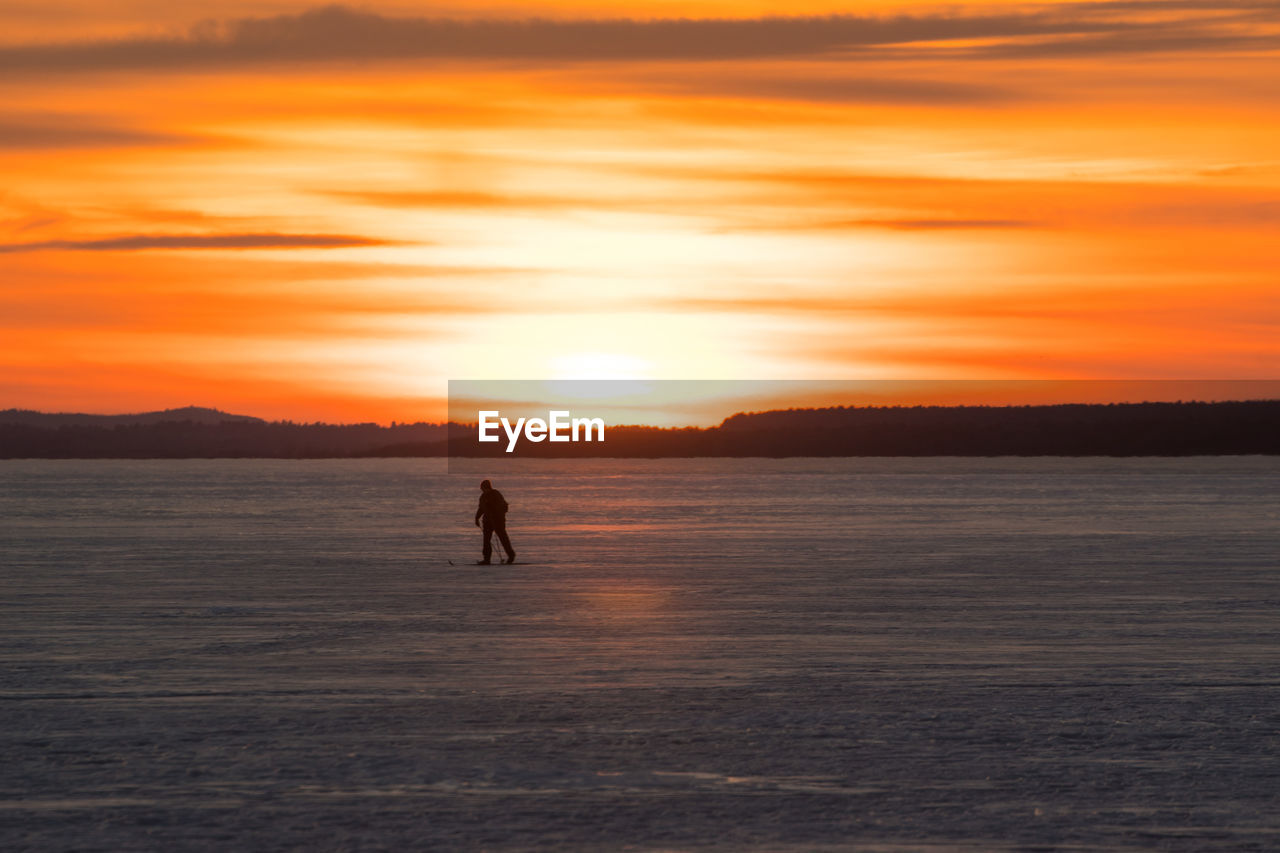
<point>878,654</point>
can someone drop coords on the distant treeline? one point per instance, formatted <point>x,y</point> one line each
<point>1130,429</point>
<point>229,439</point>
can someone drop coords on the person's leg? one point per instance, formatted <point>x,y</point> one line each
<point>501,529</point>
<point>487,530</point>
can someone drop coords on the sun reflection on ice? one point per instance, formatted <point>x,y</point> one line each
<point>622,603</point>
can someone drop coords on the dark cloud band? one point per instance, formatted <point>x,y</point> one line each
<point>139,242</point>
<point>39,133</point>
<point>336,33</point>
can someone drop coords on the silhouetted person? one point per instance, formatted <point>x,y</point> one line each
<point>493,509</point>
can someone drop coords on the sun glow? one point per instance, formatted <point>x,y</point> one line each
<point>338,236</point>
<point>599,365</point>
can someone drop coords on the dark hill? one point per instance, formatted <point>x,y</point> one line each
<point>187,414</point>
<point>195,432</point>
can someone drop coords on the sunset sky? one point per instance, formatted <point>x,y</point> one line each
<point>326,212</point>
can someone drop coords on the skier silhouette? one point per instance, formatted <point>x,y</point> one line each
<point>493,509</point>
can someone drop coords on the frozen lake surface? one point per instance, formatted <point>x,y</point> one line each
<point>842,654</point>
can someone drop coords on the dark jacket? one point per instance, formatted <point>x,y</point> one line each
<point>492,506</point>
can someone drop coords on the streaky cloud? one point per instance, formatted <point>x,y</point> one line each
<point>1170,42</point>
<point>1058,302</point>
<point>336,33</point>
<point>917,224</point>
<point>932,224</point>
<point>914,224</point>
<point>444,199</point>
<point>850,88</point>
<point>140,242</point>
<point>76,132</point>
